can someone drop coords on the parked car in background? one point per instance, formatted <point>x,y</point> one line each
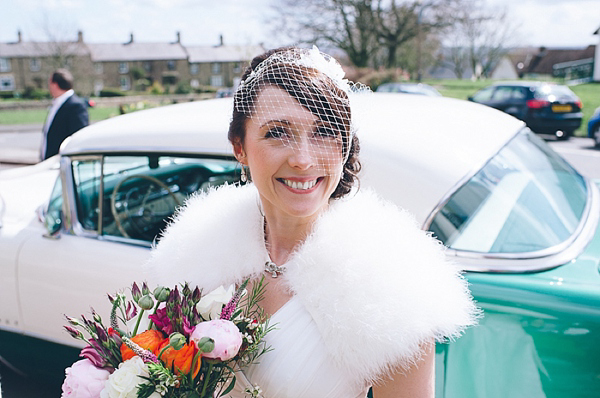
<point>593,127</point>
<point>519,220</point>
<point>409,88</point>
<point>546,108</point>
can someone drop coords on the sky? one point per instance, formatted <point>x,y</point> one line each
<point>551,23</point>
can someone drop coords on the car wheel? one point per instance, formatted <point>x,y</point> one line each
<point>596,136</point>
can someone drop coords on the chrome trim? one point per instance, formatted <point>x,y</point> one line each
<point>539,260</point>
<point>74,226</point>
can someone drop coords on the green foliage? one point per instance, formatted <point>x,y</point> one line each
<point>137,73</point>
<point>31,92</point>
<point>375,78</point>
<point>157,89</point>
<point>183,88</point>
<point>6,94</point>
<point>111,92</point>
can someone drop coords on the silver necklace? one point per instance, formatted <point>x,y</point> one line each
<point>270,266</point>
<point>274,269</point>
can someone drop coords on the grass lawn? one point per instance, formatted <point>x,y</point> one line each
<point>38,116</point>
<point>588,93</point>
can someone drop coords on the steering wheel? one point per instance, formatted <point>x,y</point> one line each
<point>148,209</point>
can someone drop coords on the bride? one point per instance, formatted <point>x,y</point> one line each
<point>358,293</point>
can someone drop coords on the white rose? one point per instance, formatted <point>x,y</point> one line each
<point>211,304</point>
<point>124,381</point>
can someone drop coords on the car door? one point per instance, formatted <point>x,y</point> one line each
<point>115,207</point>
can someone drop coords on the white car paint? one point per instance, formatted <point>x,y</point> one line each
<point>404,138</point>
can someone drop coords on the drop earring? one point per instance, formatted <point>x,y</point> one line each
<point>243,176</point>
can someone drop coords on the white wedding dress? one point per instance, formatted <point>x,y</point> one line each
<point>298,365</point>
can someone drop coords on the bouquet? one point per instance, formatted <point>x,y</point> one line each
<point>190,348</point>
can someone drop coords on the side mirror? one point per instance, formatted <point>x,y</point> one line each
<point>470,98</point>
<point>53,223</point>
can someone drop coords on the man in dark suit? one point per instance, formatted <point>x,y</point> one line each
<point>67,114</point>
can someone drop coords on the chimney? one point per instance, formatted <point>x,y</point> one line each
<point>130,39</point>
<point>79,36</point>
<point>178,38</point>
<point>19,37</point>
<point>220,40</point>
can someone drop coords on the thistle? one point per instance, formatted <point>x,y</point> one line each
<point>229,309</point>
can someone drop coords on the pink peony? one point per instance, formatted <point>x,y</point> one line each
<point>225,334</point>
<point>84,380</point>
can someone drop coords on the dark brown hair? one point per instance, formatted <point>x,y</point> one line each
<point>317,93</point>
<point>63,78</point>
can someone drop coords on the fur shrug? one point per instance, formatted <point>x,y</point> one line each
<point>376,285</point>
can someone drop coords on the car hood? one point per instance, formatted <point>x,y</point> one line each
<point>23,190</point>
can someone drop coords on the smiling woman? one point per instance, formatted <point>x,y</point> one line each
<point>331,252</point>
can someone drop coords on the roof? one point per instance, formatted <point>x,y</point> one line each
<point>26,49</point>
<point>399,139</point>
<point>546,58</point>
<point>226,53</point>
<point>103,52</point>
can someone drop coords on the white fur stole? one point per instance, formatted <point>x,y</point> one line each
<point>376,285</point>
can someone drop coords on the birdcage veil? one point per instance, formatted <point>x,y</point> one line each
<point>313,80</point>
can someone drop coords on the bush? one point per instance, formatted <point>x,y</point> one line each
<point>157,88</point>
<point>7,94</point>
<point>31,92</point>
<point>183,88</point>
<point>111,92</point>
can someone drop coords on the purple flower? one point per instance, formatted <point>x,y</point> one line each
<point>93,356</point>
<point>162,321</point>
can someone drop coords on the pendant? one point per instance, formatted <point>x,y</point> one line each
<point>274,269</point>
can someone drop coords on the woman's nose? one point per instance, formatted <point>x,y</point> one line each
<point>303,156</point>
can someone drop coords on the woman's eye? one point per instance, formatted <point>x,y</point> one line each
<point>276,132</point>
<point>325,132</point>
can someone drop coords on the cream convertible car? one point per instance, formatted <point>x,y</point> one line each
<point>517,217</point>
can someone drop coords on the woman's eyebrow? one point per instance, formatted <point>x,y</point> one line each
<point>276,122</point>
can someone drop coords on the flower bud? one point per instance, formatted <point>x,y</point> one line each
<point>73,321</point>
<point>136,294</point>
<point>146,302</point>
<point>145,290</point>
<point>205,344</point>
<point>161,294</point>
<point>96,316</point>
<point>177,341</point>
<point>74,332</point>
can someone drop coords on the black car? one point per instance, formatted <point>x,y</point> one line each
<point>546,108</point>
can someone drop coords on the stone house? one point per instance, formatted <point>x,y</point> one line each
<point>29,64</point>
<point>123,66</point>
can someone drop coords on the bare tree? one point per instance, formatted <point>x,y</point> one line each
<point>343,24</point>
<point>480,38</point>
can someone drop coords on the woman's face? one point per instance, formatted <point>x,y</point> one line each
<point>295,158</point>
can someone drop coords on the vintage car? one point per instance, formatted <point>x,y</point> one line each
<point>519,220</point>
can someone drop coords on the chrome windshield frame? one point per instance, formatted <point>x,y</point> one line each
<point>523,262</point>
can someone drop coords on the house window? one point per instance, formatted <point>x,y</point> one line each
<point>194,68</point>
<point>99,68</point>
<point>148,66</point>
<point>216,67</point>
<point>237,67</point>
<point>98,86</point>
<point>4,65</point>
<point>194,83</point>
<point>171,65</point>
<point>123,67</point>
<point>216,81</point>
<point>125,83</point>
<point>7,83</point>
<point>35,64</point>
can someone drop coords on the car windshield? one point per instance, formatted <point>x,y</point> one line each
<point>525,199</point>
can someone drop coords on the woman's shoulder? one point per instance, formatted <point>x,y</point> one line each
<point>207,238</point>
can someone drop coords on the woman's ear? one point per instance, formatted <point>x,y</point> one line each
<point>239,153</point>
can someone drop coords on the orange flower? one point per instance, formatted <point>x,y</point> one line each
<point>149,340</point>
<point>181,359</point>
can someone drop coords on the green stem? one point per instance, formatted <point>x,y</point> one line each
<point>194,362</point>
<point>153,313</point>
<point>163,350</point>
<point>137,324</point>
<point>206,380</point>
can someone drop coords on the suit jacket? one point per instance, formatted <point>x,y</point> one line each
<point>69,118</point>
